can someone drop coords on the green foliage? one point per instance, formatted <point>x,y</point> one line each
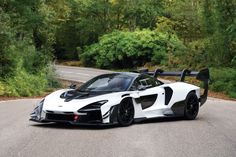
<point>130,49</point>
<point>196,56</point>
<point>185,15</point>
<point>25,84</point>
<point>208,18</point>
<point>6,33</point>
<point>18,86</point>
<point>113,34</point>
<point>88,20</point>
<point>25,48</point>
<point>2,88</point>
<point>159,57</point>
<point>219,23</point>
<point>51,77</point>
<point>223,80</point>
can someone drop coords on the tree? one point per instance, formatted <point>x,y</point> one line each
<point>219,18</point>
<point>185,15</point>
<point>88,20</point>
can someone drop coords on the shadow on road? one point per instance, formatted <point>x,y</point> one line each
<point>101,127</point>
<point>70,126</point>
<point>161,120</point>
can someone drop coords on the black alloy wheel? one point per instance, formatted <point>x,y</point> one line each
<point>125,114</point>
<point>191,106</point>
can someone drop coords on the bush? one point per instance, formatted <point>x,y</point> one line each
<point>2,89</point>
<point>52,81</point>
<point>24,52</point>
<point>25,71</point>
<point>24,84</point>
<point>224,80</point>
<point>159,57</point>
<point>121,49</point>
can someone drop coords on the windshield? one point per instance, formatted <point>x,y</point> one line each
<point>107,83</point>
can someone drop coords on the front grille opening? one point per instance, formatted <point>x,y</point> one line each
<point>91,117</point>
<point>68,112</point>
<point>59,117</point>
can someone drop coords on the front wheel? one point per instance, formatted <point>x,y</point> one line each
<point>191,106</point>
<point>125,114</point>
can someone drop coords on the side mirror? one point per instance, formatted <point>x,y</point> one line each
<point>72,86</point>
<point>141,87</point>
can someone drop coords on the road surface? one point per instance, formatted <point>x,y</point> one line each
<point>212,134</point>
<point>78,74</point>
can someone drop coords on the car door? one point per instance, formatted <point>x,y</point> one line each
<point>147,87</point>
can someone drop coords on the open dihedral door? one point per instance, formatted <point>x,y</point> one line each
<point>203,75</point>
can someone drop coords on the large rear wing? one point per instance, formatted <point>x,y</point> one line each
<point>203,75</point>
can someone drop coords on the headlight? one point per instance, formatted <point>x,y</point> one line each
<point>102,102</point>
<point>98,104</point>
<point>93,106</point>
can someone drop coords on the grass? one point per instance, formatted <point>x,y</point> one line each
<point>63,84</point>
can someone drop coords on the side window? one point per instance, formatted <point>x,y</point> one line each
<point>147,81</point>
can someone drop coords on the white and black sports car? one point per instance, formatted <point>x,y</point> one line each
<point>125,97</point>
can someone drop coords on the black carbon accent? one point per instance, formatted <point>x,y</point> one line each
<point>106,115</point>
<point>91,117</point>
<point>93,114</point>
<point>59,117</point>
<point>75,94</point>
<point>125,95</point>
<point>137,100</point>
<point>168,94</point>
<point>68,112</point>
<point>178,108</point>
<point>49,111</point>
<point>113,114</point>
<point>137,120</point>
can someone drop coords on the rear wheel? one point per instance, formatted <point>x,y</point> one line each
<point>125,114</point>
<point>191,106</point>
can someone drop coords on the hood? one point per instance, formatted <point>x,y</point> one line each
<point>69,100</point>
<point>75,94</point>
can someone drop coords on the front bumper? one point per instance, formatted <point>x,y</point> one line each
<point>88,116</point>
<point>93,117</point>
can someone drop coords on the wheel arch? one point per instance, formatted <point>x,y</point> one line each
<point>188,115</point>
<point>114,109</point>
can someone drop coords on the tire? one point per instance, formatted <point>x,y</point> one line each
<point>191,106</point>
<point>125,115</point>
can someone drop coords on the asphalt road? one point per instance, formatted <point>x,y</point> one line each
<point>78,74</point>
<point>212,134</point>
